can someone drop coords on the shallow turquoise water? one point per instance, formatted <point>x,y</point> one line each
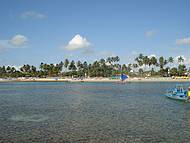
<point>91,112</point>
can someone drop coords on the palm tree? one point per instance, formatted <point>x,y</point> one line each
<point>161,62</point>
<point>79,68</point>
<point>85,68</point>
<point>25,69</point>
<point>72,66</point>
<point>139,59</point>
<point>146,61</point>
<point>173,71</point>
<point>33,70</point>
<point>129,67</point>
<point>182,69</point>
<point>99,68</point>
<point>180,59</point>
<point>8,69</point>
<point>141,56</point>
<point>153,61</point>
<point>116,59</point>
<point>2,71</point>
<point>79,65</point>
<point>102,61</point>
<point>12,71</point>
<point>60,66</point>
<point>165,62</point>
<point>66,63</point>
<point>170,60</point>
<point>109,60</point>
<point>41,66</point>
<point>135,66</point>
<point>141,71</point>
<point>124,68</point>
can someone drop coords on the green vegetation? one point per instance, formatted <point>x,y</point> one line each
<point>142,66</point>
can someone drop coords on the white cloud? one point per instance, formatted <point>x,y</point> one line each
<point>18,40</point>
<point>150,33</point>
<point>32,15</point>
<point>183,41</point>
<point>77,42</point>
<point>107,54</point>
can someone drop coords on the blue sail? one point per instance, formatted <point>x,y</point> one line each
<point>123,77</point>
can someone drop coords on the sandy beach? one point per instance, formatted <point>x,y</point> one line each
<point>135,79</point>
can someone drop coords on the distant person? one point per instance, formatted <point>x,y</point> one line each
<point>188,93</point>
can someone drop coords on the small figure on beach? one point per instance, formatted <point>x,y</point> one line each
<point>188,93</point>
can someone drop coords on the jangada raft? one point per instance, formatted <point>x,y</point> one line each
<point>178,93</point>
<point>123,77</point>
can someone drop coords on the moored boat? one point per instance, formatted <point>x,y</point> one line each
<point>178,93</point>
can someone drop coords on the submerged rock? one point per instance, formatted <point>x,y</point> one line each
<point>29,118</point>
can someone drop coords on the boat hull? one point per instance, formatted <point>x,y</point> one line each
<point>176,97</point>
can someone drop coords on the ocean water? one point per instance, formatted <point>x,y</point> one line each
<point>35,112</point>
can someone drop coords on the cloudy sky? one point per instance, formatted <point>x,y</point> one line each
<point>34,31</point>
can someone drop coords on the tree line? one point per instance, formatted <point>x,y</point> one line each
<point>142,66</point>
<point>161,66</point>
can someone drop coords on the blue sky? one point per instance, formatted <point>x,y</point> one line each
<point>34,31</point>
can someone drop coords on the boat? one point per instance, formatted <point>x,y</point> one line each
<point>123,77</point>
<point>178,93</point>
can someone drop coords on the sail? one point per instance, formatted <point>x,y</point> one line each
<point>123,77</point>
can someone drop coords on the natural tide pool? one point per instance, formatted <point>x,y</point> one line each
<point>91,113</point>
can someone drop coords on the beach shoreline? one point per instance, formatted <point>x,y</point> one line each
<point>157,79</point>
